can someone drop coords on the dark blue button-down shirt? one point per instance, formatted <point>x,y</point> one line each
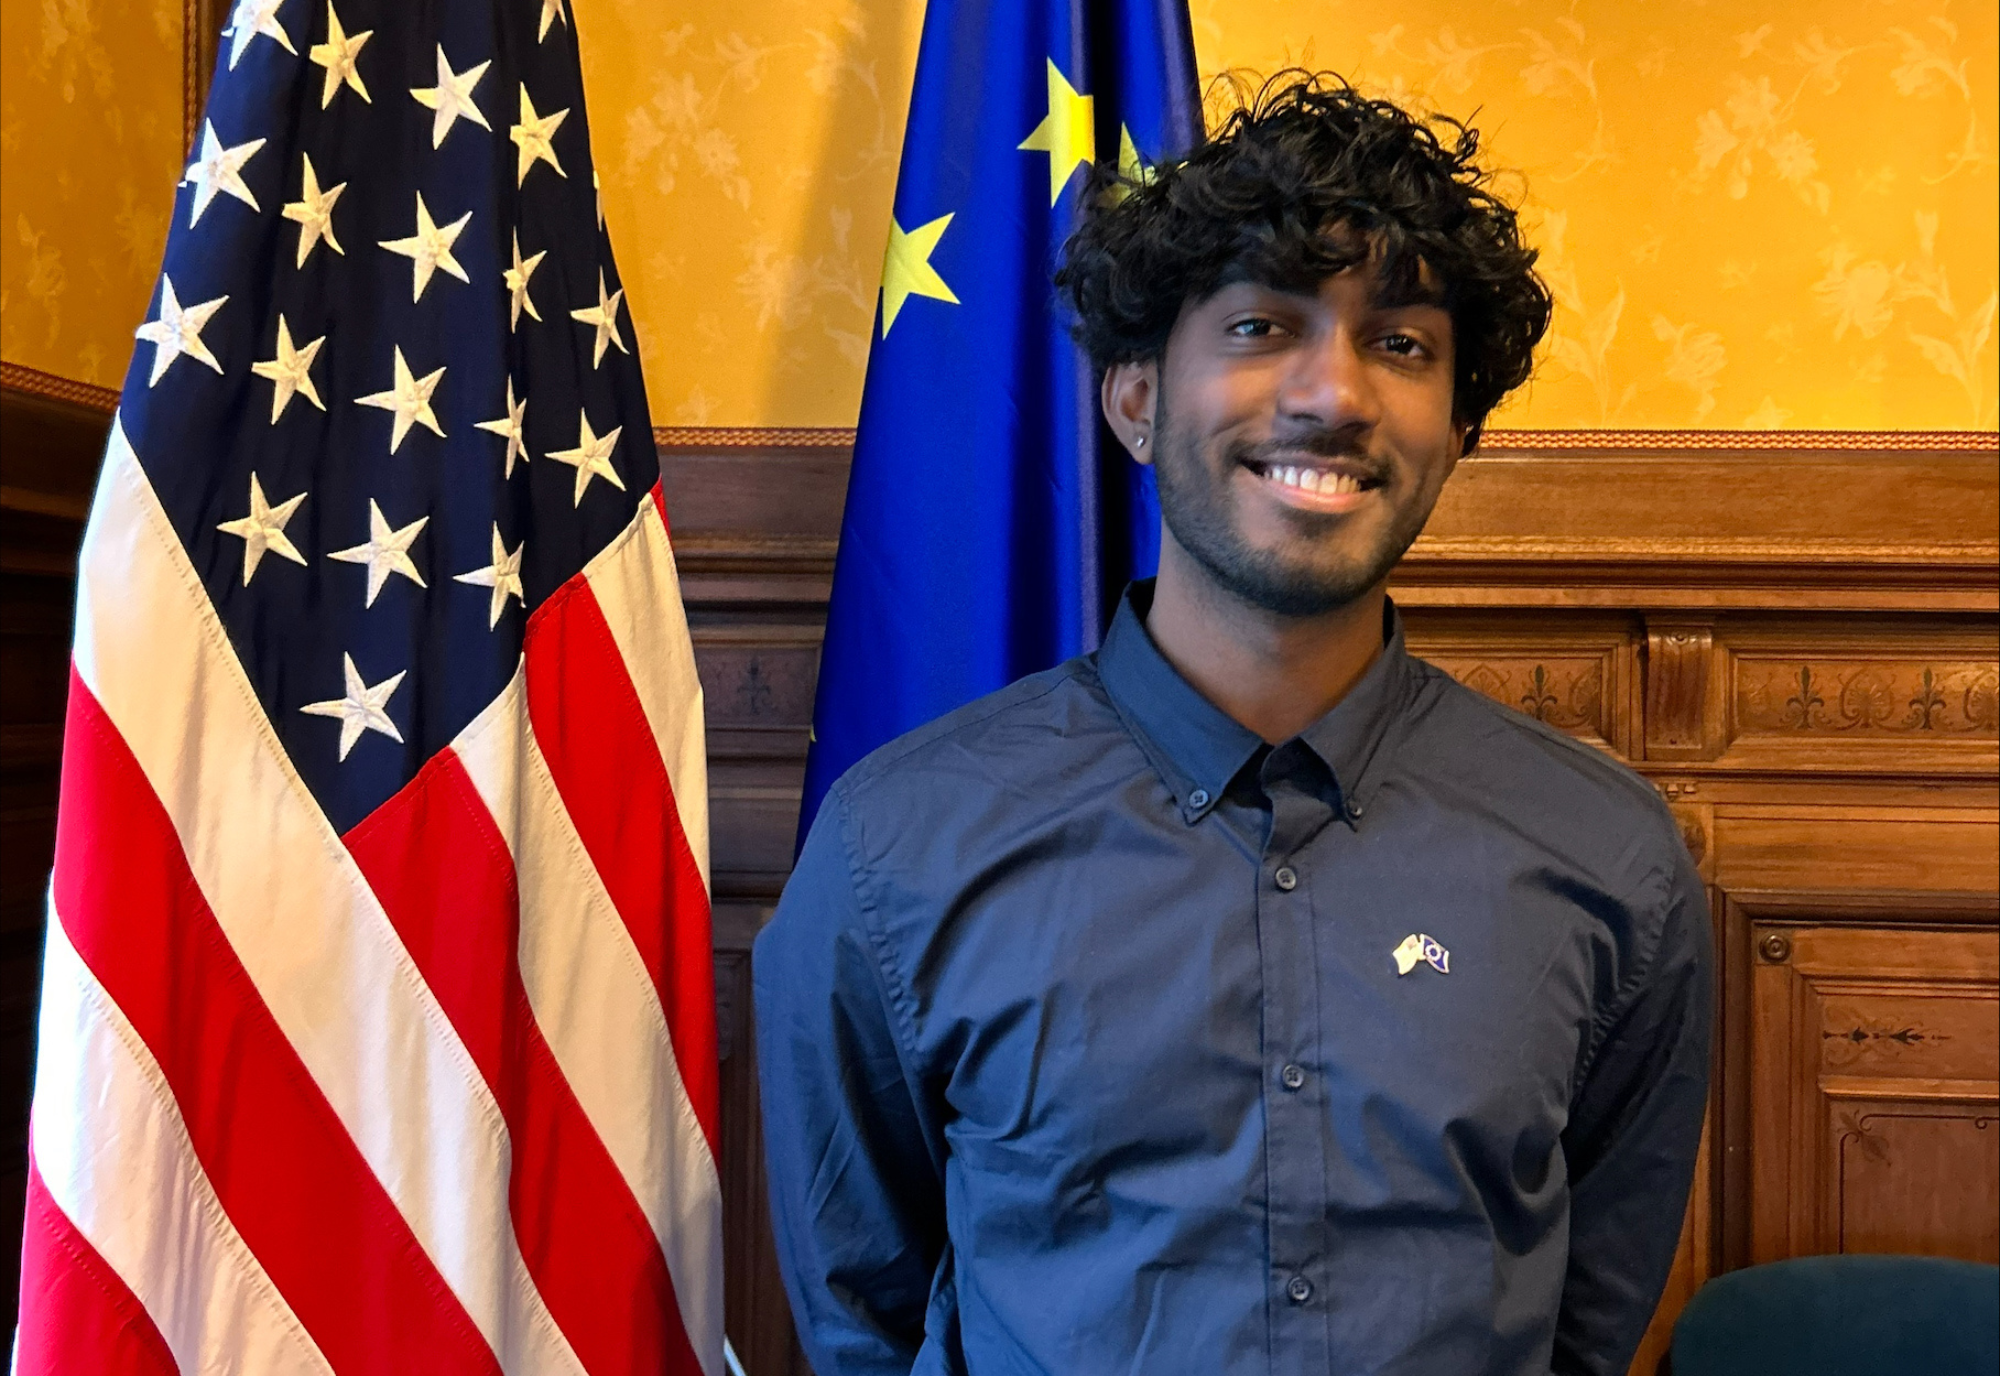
<point>1098,1036</point>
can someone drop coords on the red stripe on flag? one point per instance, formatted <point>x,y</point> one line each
<point>607,766</point>
<point>76,1313</point>
<point>288,1175</point>
<point>440,867</point>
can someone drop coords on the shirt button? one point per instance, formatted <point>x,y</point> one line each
<point>1293,1077</point>
<point>1198,798</point>
<point>1299,1289</point>
<point>1287,877</point>
<point>1354,811</point>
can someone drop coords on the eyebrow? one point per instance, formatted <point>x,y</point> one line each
<point>1385,294</point>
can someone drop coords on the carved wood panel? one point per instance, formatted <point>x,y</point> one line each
<point>1575,674</point>
<point>1848,698</point>
<point>1875,1072</point>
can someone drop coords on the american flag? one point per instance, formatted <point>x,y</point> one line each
<point>377,1028</point>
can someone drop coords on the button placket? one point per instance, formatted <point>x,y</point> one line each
<point>1294,1103</point>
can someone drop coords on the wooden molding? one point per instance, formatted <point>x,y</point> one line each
<point>701,438</point>
<point>705,437</point>
<point>1681,688</point>
<point>201,39</point>
<point>20,378</point>
<point>1642,441</point>
<point>1902,907</point>
<point>1494,442</point>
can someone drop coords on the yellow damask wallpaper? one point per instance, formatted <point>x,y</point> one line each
<point>90,149</point>
<point>1776,214</point>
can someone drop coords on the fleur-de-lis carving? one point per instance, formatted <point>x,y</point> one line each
<point>1538,701</point>
<point>755,689</point>
<point>1802,706</point>
<point>1925,706</point>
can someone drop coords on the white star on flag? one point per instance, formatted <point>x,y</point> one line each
<point>409,399</point>
<point>263,530</point>
<point>517,283</point>
<point>591,457</point>
<point>363,709</point>
<point>219,169</point>
<point>385,552</point>
<point>290,371</point>
<point>603,317</point>
<point>429,249</point>
<point>531,137</point>
<point>250,18</point>
<point>337,55</point>
<point>513,425</point>
<point>552,10</point>
<point>314,213</point>
<point>177,331</point>
<point>503,575</point>
<point>451,98</point>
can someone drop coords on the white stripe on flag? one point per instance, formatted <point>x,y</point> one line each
<point>598,1010</point>
<point>314,940</point>
<point>638,589</point>
<point>112,1150</point>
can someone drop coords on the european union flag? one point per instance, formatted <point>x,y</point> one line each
<point>991,519</point>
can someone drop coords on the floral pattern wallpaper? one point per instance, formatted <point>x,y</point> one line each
<point>90,149</point>
<point>1772,214</point>
<point>1753,215</point>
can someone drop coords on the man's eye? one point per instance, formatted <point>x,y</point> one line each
<point>1403,345</point>
<point>1256,327</point>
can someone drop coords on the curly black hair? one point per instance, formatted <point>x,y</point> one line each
<point>1303,179</point>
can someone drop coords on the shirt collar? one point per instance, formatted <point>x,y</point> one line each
<point>1198,748</point>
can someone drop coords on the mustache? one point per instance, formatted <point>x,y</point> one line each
<point>1341,445</point>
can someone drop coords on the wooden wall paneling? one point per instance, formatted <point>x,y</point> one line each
<point>1874,1076</point>
<point>1684,688</point>
<point>1881,697</point>
<point>1868,849</point>
<point>1579,674</point>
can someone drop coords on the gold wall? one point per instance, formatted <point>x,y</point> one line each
<point>90,149</point>
<point>1775,214</point>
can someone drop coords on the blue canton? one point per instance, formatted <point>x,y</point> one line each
<point>386,256</point>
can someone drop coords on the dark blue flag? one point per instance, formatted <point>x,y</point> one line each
<point>991,518</point>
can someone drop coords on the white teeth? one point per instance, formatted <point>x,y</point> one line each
<point>1319,480</point>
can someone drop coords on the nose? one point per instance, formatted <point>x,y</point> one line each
<point>1329,385</point>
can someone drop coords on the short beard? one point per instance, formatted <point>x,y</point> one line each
<point>1195,506</point>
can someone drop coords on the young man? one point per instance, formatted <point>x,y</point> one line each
<point>1248,996</point>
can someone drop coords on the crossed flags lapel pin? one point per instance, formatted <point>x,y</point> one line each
<point>1419,947</point>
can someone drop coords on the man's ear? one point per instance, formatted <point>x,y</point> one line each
<point>1129,396</point>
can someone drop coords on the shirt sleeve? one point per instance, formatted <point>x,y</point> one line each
<point>1634,1130</point>
<point>857,1194</point>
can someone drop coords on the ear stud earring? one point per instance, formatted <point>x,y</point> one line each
<point>1138,441</point>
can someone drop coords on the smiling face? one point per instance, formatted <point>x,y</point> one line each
<point>1300,439</point>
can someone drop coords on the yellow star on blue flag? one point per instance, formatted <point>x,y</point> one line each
<point>1068,133</point>
<point>990,522</point>
<point>907,270</point>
